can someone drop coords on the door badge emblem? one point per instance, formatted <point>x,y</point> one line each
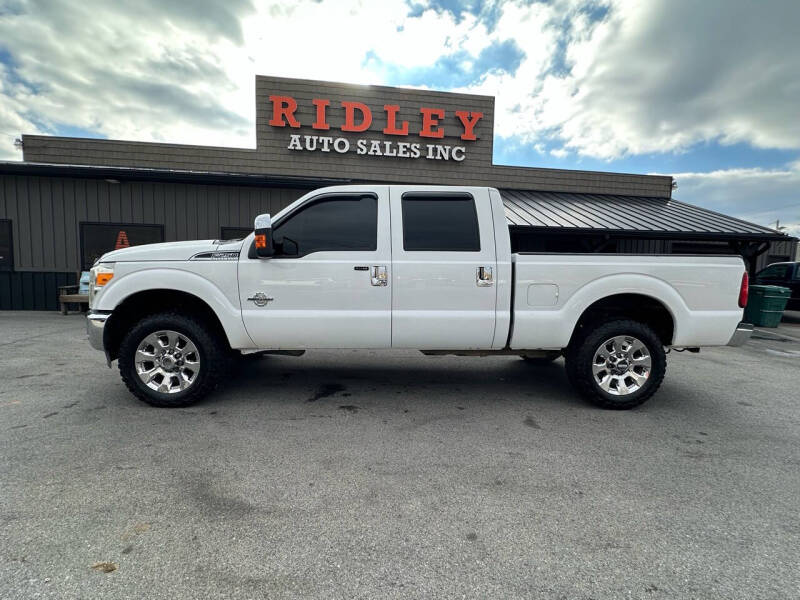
<point>260,299</point>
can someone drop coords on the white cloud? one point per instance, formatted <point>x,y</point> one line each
<point>149,72</point>
<point>655,76</point>
<point>185,72</point>
<point>757,195</point>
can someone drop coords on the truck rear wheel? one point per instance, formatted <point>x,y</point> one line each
<point>617,365</point>
<point>171,360</point>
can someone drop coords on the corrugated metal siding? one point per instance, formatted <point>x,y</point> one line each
<point>46,212</point>
<point>32,290</point>
<point>618,213</point>
<point>643,246</point>
<point>777,252</point>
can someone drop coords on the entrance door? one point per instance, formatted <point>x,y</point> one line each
<point>444,295</point>
<point>328,284</point>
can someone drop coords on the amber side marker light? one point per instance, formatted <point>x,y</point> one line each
<point>261,241</point>
<point>103,278</point>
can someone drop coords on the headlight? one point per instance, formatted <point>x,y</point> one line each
<point>99,276</point>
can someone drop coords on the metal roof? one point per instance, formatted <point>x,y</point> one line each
<point>167,175</point>
<point>562,212</point>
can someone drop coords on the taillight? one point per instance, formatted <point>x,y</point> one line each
<point>744,290</point>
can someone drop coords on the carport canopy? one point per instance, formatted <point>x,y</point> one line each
<point>562,213</point>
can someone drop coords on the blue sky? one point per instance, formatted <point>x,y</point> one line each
<point>705,91</point>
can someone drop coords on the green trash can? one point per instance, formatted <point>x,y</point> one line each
<point>765,305</point>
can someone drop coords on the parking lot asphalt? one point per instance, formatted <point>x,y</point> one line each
<point>364,474</point>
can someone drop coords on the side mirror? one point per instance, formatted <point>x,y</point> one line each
<point>263,228</point>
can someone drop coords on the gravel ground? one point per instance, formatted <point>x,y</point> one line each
<point>394,475</point>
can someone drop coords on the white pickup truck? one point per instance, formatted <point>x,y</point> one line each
<point>427,268</point>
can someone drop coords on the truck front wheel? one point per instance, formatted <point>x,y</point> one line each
<point>617,365</point>
<point>171,360</point>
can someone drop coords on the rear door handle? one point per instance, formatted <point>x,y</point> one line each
<point>484,277</point>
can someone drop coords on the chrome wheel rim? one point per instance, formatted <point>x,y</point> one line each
<point>621,365</point>
<point>167,362</point>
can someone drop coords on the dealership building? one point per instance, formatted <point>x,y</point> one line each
<point>72,199</point>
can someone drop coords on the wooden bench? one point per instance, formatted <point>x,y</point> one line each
<point>68,294</point>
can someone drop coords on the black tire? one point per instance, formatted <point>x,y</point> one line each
<point>213,351</point>
<point>542,360</point>
<point>580,356</point>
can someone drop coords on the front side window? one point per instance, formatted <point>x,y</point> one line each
<point>440,223</point>
<point>6,258</point>
<point>341,223</point>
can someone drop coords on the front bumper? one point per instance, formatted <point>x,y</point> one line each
<point>95,326</point>
<point>741,335</point>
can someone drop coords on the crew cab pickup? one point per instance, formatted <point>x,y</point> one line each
<point>404,267</point>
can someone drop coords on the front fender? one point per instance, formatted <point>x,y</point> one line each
<point>226,306</point>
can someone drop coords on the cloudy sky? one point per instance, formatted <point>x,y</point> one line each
<point>706,91</point>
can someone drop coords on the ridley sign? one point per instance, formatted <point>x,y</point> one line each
<point>358,118</point>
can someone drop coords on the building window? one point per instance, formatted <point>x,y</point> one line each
<point>700,247</point>
<point>6,247</point>
<point>99,238</point>
<point>335,224</point>
<point>440,223</point>
<point>234,233</point>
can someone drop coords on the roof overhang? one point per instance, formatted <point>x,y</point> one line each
<point>165,175</point>
<point>561,213</point>
<point>546,213</point>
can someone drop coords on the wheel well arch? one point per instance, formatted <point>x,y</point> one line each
<point>638,307</point>
<point>147,302</point>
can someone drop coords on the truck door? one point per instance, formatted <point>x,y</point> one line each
<point>328,284</point>
<point>443,266</point>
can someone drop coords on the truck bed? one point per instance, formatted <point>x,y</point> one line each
<point>552,291</point>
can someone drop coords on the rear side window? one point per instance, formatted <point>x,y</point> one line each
<point>332,224</point>
<point>440,223</point>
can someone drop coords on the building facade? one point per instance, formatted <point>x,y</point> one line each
<point>71,199</point>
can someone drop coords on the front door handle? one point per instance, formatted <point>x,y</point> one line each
<point>484,278</point>
<point>379,276</point>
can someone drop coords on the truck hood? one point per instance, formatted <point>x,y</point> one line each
<point>169,251</point>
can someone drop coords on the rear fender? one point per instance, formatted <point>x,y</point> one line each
<point>538,327</point>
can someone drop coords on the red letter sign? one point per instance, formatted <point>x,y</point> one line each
<point>428,121</point>
<point>468,120</point>
<point>350,116</point>
<point>391,121</point>
<point>283,107</point>
<point>122,240</point>
<point>322,105</point>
